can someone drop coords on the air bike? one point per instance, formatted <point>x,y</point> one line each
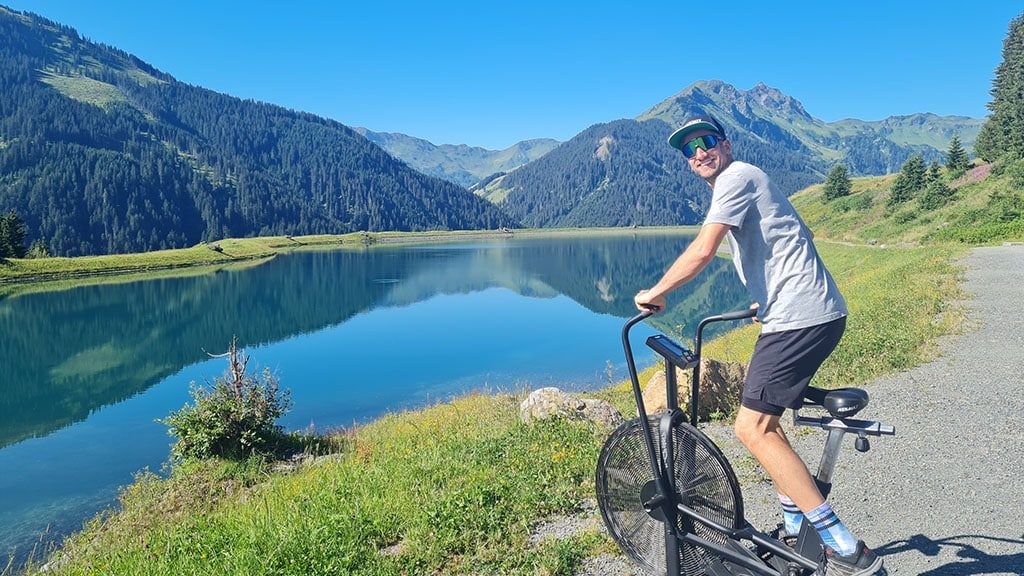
<point>671,500</point>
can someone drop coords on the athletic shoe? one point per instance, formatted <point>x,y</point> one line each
<point>863,562</point>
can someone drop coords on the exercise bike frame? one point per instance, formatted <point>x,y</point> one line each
<point>664,503</point>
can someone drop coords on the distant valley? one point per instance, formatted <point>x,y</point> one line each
<point>458,163</point>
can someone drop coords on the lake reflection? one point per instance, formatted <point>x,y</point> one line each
<point>353,334</point>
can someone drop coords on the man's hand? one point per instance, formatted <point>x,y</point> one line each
<point>645,301</point>
<point>755,306</point>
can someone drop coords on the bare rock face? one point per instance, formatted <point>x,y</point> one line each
<point>546,403</point>
<point>721,384</point>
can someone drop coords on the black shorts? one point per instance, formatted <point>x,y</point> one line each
<point>783,363</point>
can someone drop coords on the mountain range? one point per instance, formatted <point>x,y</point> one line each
<point>464,165</point>
<point>623,172</point>
<point>102,153</point>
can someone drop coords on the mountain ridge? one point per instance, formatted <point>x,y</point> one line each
<point>768,128</point>
<point>103,153</point>
<point>461,164</point>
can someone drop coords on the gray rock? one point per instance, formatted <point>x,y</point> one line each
<point>720,386</point>
<point>551,402</point>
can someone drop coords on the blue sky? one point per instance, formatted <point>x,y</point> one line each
<point>493,73</point>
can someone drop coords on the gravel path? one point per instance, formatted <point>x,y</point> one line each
<point>945,496</point>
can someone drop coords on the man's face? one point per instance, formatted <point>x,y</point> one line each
<point>708,164</point>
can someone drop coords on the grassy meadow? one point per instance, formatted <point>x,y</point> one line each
<point>986,206</point>
<point>36,270</point>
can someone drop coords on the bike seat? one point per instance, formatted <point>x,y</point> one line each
<point>840,403</point>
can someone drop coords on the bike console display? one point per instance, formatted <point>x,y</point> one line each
<point>674,353</point>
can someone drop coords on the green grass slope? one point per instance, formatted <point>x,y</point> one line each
<point>986,206</point>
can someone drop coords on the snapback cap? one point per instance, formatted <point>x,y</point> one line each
<point>692,124</point>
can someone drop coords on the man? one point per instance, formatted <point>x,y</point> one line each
<point>802,317</point>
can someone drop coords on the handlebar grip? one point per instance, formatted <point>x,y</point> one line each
<point>740,314</point>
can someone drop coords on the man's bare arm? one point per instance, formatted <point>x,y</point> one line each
<point>690,263</point>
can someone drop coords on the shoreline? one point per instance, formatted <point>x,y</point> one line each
<point>23,275</point>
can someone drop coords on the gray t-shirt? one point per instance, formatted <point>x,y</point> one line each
<point>773,252</point>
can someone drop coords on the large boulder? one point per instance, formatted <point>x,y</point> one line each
<point>721,384</point>
<point>546,403</point>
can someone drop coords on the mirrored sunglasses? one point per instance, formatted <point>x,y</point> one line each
<point>705,143</point>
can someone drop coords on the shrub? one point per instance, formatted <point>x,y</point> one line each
<point>905,216</point>
<point>936,195</point>
<point>232,418</point>
<point>1006,207</point>
<point>856,202</point>
<point>837,184</point>
<point>1015,170</point>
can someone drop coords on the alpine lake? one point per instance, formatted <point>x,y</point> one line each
<point>86,372</point>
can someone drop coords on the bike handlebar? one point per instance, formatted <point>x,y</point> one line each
<point>734,315</point>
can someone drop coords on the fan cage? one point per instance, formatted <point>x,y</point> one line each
<point>704,481</point>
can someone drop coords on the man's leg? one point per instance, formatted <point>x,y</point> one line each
<point>763,436</point>
<point>780,370</point>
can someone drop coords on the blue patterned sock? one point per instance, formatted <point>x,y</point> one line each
<point>792,517</point>
<point>832,531</point>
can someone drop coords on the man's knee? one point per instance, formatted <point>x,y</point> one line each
<point>753,427</point>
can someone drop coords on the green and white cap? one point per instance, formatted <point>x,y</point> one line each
<point>693,124</point>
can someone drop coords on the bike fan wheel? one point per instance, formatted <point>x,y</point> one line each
<point>704,481</point>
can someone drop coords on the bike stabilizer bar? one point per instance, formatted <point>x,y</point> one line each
<point>847,425</point>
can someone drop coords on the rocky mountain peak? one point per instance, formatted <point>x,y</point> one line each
<point>774,99</point>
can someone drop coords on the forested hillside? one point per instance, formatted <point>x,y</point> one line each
<point>101,153</point>
<point>623,173</point>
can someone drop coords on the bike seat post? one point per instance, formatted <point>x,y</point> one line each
<point>829,457</point>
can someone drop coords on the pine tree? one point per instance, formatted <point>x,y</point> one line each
<point>935,195</point>
<point>1003,132</point>
<point>837,184</point>
<point>910,180</point>
<point>956,158</point>
<point>12,236</point>
<point>933,174</point>
<point>38,249</point>
<point>5,242</point>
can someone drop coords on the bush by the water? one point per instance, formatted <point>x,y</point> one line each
<point>235,417</point>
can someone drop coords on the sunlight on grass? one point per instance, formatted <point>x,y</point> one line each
<point>85,89</point>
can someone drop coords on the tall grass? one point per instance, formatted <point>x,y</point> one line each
<point>452,488</point>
